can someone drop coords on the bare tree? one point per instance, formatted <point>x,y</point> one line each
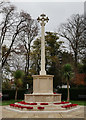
<point>7,19</point>
<point>73,31</point>
<point>6,23</point>
<point>16,59</point>
<point>16,27</point>
<point>27,36</point>
<point>3,4</point>
<point>12,25</point>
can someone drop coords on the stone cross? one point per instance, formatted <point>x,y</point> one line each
<point>43,19</point>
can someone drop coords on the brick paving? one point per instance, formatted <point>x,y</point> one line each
<point>78,113</point>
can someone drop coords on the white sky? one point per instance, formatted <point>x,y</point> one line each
<point>48,0</point>
<point>58,12</point>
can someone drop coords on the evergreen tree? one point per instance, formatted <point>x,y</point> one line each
<point>67,73</point>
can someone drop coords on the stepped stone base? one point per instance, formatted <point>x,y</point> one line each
<point>42,90</point>
<point>42,97</point>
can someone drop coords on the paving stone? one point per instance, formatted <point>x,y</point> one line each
<point>78,113</point>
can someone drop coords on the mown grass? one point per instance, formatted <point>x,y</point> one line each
<point>79,102</point>
<point>7,102</point>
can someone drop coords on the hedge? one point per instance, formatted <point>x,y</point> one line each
<point>75,93</point>
<point>10,94</point>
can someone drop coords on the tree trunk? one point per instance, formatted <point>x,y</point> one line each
<point>68,94</point>
<point>8,52</point>
<point>75,62</point>
<point>0,67</point>
<point>28,64</point>
<point>28,57</point>
<point>16,94</point>
<point>27,61</point>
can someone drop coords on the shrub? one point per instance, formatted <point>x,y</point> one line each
<point>75,93</point>
<point>10,94</point>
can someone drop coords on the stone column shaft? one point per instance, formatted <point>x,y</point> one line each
<point>42,72</point>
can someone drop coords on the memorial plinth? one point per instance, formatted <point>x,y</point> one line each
<point>42,84</point>
<point>42,90</point>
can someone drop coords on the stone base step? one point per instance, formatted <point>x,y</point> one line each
<point>45,109</point>
<point>49,107</point>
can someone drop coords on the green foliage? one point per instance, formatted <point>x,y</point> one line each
<point>52,50</point>
<point>82,66</point>
<point>12,101</point>
<point>67,71</point>
<point>53,46</point>
<point>18,82</point>
<point>74,93</point>
<point>18,76</point>
<point>30,80</point>
<point>67,68</point>
<point>8,102</point>
<point>67,58</point>
<point>78,102</point>
<point>6,84</point>
<point>36,57</point>
<point>27,80</point>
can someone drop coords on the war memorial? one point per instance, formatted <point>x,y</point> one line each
<point>42,84</point>
<point>42,100</point>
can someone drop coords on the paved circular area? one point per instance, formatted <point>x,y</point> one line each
<point>77,113</point>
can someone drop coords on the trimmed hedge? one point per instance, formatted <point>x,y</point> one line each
<point>10,94</point>
<point>75,93</point>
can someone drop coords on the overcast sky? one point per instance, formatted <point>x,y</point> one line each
<point>58,12</point>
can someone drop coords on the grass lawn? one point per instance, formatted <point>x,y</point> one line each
<point>79,102</point>
<point>7,102</point>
